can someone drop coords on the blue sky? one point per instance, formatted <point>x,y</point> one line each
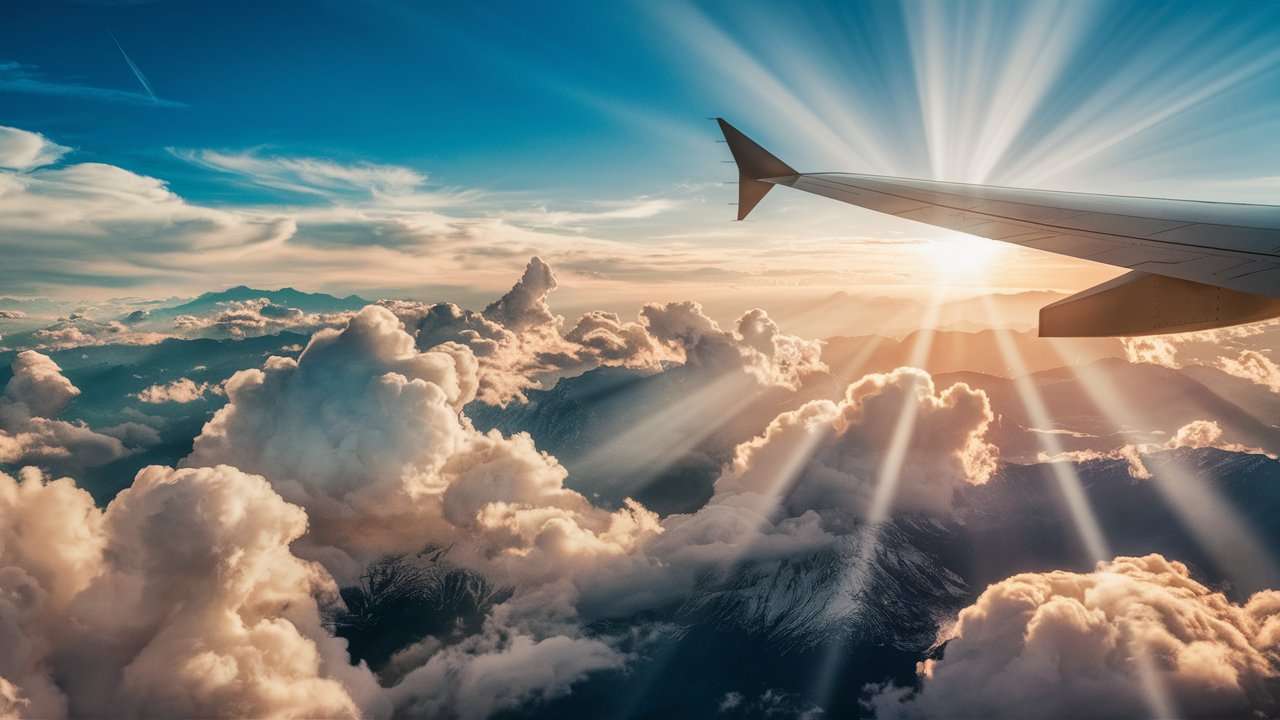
<point>598,110</point>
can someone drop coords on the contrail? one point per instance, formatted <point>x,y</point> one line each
<point>142,79</point>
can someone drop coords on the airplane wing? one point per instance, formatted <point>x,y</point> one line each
<point>1193,265</point>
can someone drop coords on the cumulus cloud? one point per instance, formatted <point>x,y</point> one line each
<point>607,338</point>
<point>757,347</point>
<point>38,385</point>
<point>77,330</point>
<point>1254,367</point>
<point>239,631</point>
<point>1195,434</point>
<point>805,485</point>
<point>51,545</point>
<point>364,431</point>
<point>525,305</point>
<point>24,150</point>
<point>182,390</point>
<point>119,609</point>
<point>829,455</point>
<point>1153,350</point>
<point>1234,350</point>
<point>37,393</point>
<point>68,334</point>
<point>520,342</point>
<point>1070,645</point>
<point>518,339</point>
<point>254,318</point>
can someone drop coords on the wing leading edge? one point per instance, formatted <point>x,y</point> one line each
<point>1195,265</point>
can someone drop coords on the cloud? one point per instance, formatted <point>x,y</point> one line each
<point>80,331</point>
<point>311,176</point>
<point>1070,645</point>
<point>24,150</point>
<point>757,347</point>
<point>254,318</point>
<point>610,340</point>
<point>483,675</point>
<point>1233,350</point>
<point>1254,367</point>
<point>1195,434</point>
<point>828,456</point>
<point>90,223</point>
<point>19,78</point>
<point>182,390</point>
<point>118,609</point>
<point>364,431</point>
<point>38,385</point>
<point>38,392</point>
<point>525,306</point>
<point>362,224</point>
<point>1151,350</point>
<point>638,209</point>
<point>12,703</point>
<point>805,486</point>
<point>518,342</point>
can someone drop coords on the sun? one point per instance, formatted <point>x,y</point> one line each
<point>961,257</point>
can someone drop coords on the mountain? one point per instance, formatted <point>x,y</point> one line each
<point>898,597</point>
<point>286,297</point>
<point>1156,401</point>
<point>952,351</point>
<point>605,426</point>
<point>805,631</point>
<point>1019,310</point>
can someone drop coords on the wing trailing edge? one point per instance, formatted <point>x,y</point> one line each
<point>1139,303</point>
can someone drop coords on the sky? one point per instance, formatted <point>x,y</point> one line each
<point>612,511</point>
<point>392,149</point>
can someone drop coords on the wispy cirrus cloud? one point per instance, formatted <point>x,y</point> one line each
<point>308,175</point>
<point>368,225</point>
<point>16,77</point>
<point>638,209</point>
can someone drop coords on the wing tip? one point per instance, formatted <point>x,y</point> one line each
<point>754,163</point>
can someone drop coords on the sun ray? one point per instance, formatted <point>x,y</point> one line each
<point>677,426</point>
<point>1155,693</point>
<point>1082,515</point>
<point>886,486</point>
<point>1217,526</point>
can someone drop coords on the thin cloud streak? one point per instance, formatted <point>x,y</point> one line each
<point>18,78</point>
<point>137,72</point>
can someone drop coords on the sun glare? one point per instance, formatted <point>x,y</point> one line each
<point>961,256</point>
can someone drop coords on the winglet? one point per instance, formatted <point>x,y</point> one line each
<point>755,164</point>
